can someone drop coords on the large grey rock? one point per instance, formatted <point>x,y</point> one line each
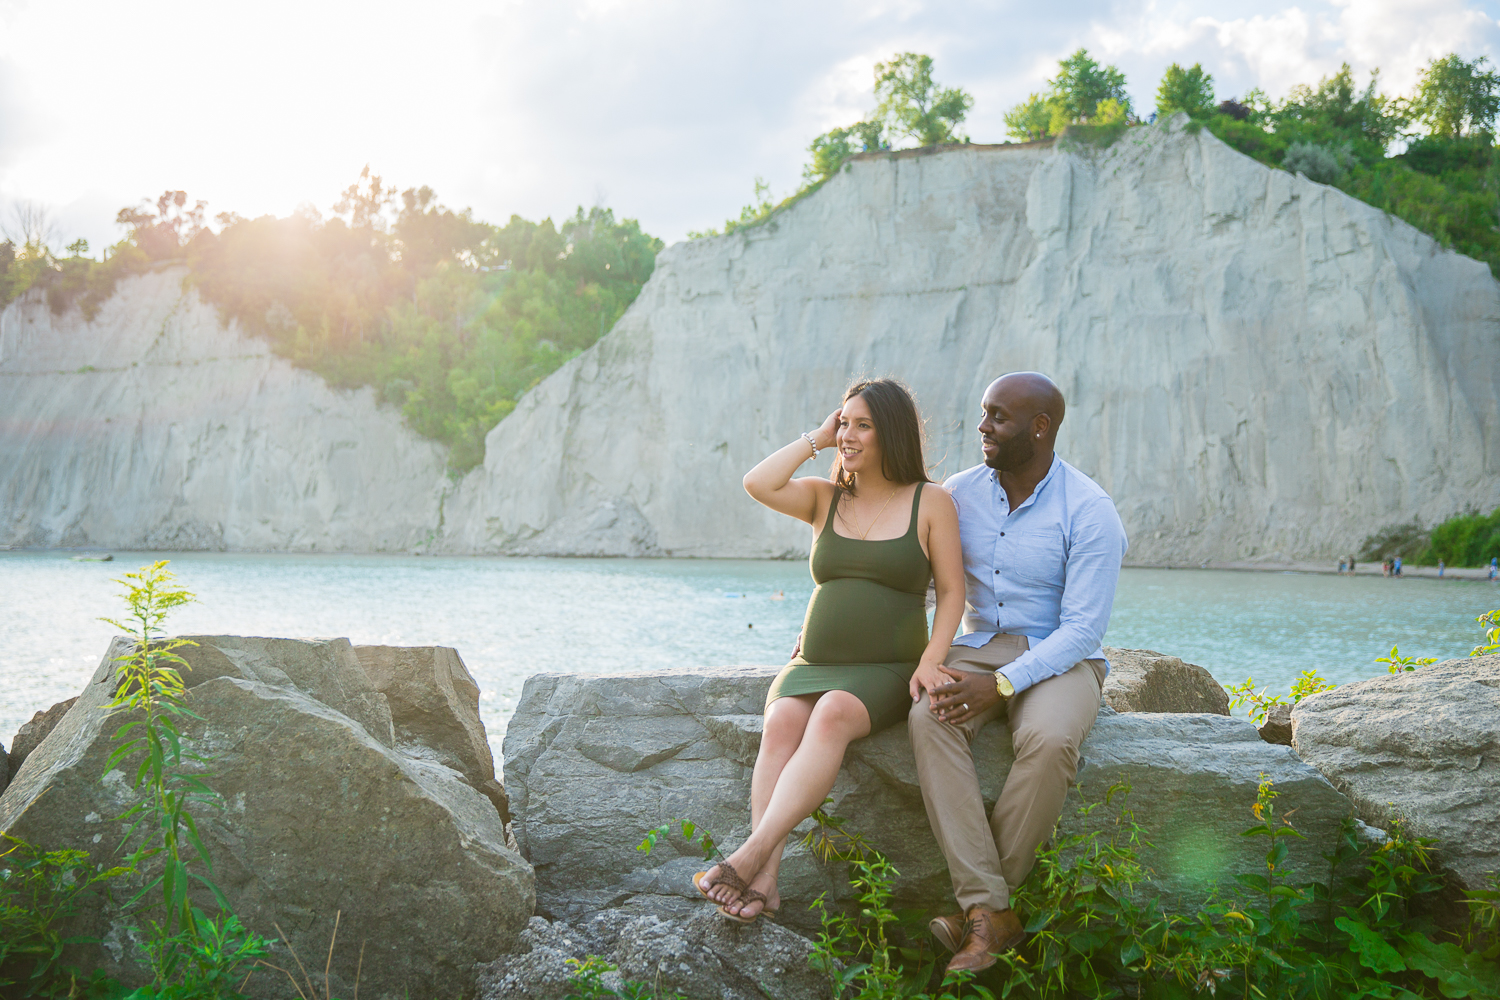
<point>434,704</point>
<point>1142,680</point>
<point>1423,745</point>
<point>324,813</point>
<point>670,945</point>
<point>1203,313</point>
<point>31,733</point>
<point>4,769</point>
<point>592,762</point>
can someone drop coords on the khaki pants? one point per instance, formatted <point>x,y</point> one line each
<point>1048,721</point>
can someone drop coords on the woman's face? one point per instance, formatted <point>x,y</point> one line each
<point>858,445</point>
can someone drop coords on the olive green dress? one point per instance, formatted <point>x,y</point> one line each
<point>866,624</point>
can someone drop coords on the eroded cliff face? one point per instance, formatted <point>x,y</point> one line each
<point>1256,366</point>
<point>155,427</point>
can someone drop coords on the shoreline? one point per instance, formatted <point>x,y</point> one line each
<point>1479,573</point>
<point>1471,573</point>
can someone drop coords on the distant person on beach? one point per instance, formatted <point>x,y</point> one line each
<point>1396,566</point>
<point>881,531</point>
<point>1351,565</point>
<point>1042,546</point>
<point>1342,565</point>
<point>1441,566</point>
<point>1494,567</point>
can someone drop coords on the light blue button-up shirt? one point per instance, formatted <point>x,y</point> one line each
<point>1046,570</point>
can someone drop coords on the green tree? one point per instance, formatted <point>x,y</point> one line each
<point>1190,90</point>
<point>1457,98</point>
<point>1080,85</point>
<point>1030,120</point>
<point>913,105</point>
<point>1337,110</point>
<point>831,149</point>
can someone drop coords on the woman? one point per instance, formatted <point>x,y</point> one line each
<point>882,531</point>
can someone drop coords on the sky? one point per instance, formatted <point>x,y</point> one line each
<point>664,110</point>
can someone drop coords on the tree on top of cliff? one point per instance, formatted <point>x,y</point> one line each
<point>913,106</point>
<point>1457,98</point>
<point>1083,92</point>
<point>1190,90</point>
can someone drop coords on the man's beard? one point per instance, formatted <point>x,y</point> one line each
<point>1011,453</point>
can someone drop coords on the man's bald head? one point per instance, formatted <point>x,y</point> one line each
<point>1026,394</point>
<point>1022,412</point>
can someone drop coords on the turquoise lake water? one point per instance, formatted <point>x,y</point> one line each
<point>513,617</point>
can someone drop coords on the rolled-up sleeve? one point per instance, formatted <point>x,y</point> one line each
<point>1096,549</point>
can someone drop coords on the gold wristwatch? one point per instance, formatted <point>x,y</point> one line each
<point>1003,685</point>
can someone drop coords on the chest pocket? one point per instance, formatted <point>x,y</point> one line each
<point>1040,557</point>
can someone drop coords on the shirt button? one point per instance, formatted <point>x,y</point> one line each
<point>1002,534</point>
<point>1002,604</point>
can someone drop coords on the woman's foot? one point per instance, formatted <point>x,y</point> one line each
<point>749,909</point>
<point>724,883</point>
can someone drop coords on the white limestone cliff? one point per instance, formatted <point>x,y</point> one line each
<point>1256,366</point>
<point>155,427</point>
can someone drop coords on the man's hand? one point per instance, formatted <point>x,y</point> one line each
<point>969,693</point>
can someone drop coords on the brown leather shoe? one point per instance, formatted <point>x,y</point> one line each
<point>948,930</point>
<point>988,932</point>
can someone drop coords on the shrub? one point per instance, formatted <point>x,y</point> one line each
<point>1471,539</point>
<point>1319,163</point>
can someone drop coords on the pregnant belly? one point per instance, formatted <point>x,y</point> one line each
<point>860,621</point>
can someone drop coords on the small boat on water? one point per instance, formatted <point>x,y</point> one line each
<point>94,557</point>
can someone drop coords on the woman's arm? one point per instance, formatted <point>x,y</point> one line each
<point>947,557</point>
<point>771,481</point>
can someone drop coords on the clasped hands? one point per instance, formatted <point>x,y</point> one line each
<point>956,696</point>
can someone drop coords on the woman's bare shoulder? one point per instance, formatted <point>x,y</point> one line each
<point>937,494</point>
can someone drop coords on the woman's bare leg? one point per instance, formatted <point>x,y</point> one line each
<point>837,719</point>
<point>786,720</point>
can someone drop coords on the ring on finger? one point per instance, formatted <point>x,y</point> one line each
<point>966,706</point>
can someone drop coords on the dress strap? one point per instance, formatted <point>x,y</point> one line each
<point>916,502</point>
<point>832,509</point>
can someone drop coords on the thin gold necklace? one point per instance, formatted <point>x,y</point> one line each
<point>877,516</point>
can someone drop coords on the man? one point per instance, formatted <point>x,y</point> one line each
<point>1042,547</point>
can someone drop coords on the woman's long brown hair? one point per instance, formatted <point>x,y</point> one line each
<point>898,428</point>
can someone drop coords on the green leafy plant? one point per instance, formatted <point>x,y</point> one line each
<point>1490,622</point>
<point>1308,683</point>
<point>1396,663</point>
<point>696,837</point>
<point>189,953</point>
<point>39,891</point>
<point>150,691</point>
<point>587,983</point>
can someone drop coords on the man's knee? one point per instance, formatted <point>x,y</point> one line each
<point>922,722</point>
<point>1045,743</point>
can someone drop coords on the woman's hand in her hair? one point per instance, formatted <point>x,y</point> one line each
<point>827,436</point>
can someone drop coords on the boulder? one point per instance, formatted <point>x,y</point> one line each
<point>1278,725</point>
<point>1142,680</point>
<point>434,704</point>
<point>31,734</point>
<point>592,762</point>
<point>1422,745</point>
<point>4,769</point>
<point>671,945</point>
<point>324,813</point>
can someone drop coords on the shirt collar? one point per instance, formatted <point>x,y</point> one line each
<point>1051,471</point>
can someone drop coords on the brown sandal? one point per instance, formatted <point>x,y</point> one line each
<point>727,876</point>
<point>751,896</point>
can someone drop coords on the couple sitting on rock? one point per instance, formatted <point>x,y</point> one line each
<point>1034,544</point>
